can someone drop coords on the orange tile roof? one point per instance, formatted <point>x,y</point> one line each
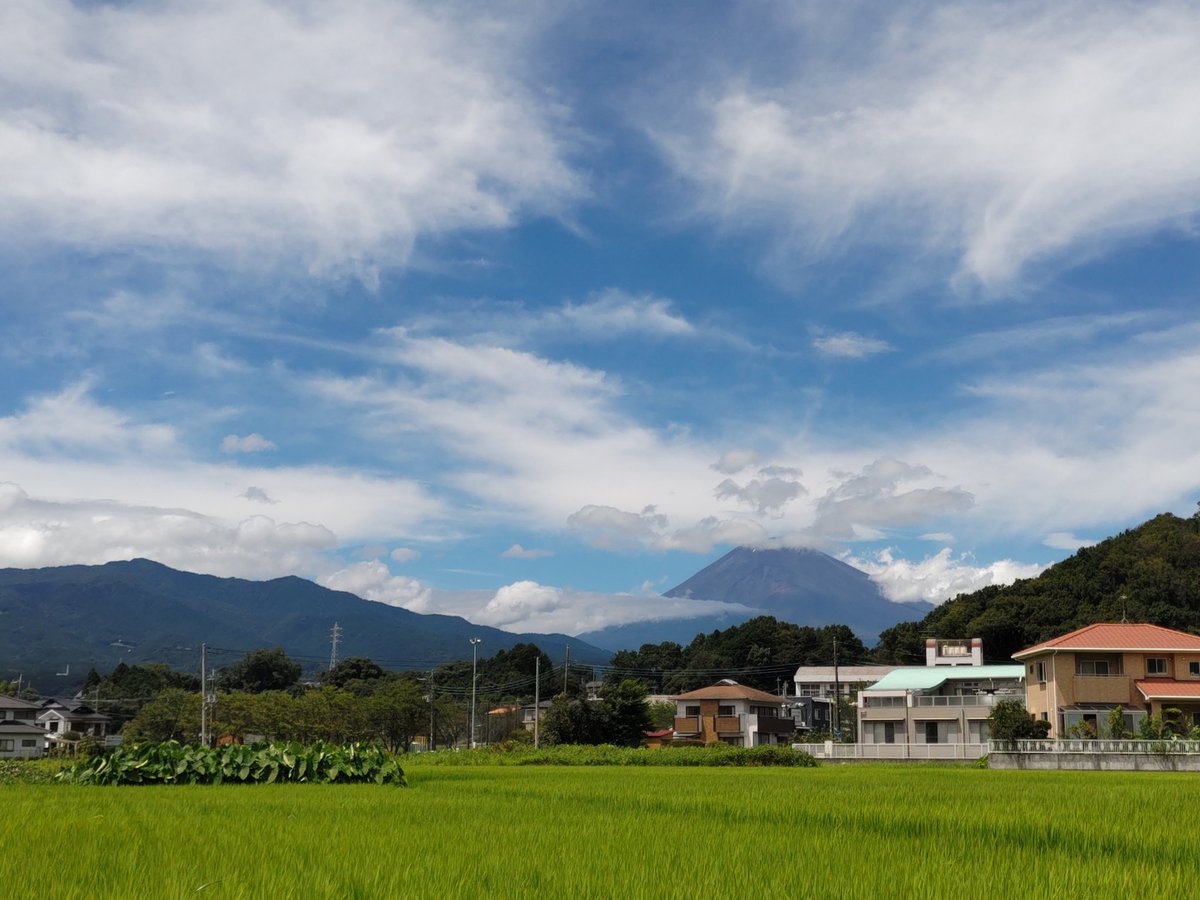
<point>1154,689</point>
<point>1117,636</point>
<point>729,692</point>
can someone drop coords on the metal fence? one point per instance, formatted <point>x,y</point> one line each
<point>831,750</point>
<point>1098,745</point>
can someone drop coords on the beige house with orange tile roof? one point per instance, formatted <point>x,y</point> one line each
<point>1079,677</point>
<point>733,714</point>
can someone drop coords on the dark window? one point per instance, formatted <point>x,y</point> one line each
<point>1156,665</point>
<point>1194,668</point>
<point>691,710</point>
<point>931,732</point>
<point>1091,667</point>
<point>725,711</point>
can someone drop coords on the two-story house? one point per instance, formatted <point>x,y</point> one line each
<point>732,713</point>
<point>936,704</point>
<point>60,717</point>
<point>1078,678</point>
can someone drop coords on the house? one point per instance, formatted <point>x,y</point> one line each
<point>20,740</point>
<point>826,681</point>
<point>656,740</point>
<point>1075,680</point>
<point>14,709</point>
<point>810,713</point>
<point>734,714</point>
<point>936,704</point>
<point>531,715</point>
<point>61,716</point>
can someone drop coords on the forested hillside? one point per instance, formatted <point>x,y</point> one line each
<point>1147,574</point>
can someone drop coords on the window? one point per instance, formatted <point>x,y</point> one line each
<point>54,725</point>
<point>6,744</point>
<point>1091,667</point>
<point>1194,668</point>
<point>931,732</point>
<point>28,742</point>
<point>725,711</point>
<point>691,710</point>
<point>810,690</point>
<point>1156,665</point>
<point>1041,672</point>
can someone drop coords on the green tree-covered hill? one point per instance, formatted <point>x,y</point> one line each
<point>1146,574</point>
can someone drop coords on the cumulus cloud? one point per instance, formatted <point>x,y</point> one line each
<point>881,496</point>
<point>994,135</point>
<point>939,577</point>
<point>251,443</point>
<point>372,580</point>
<point>516,551</point>
<point>260,130</point>
<point>527,606</point>
<point>733,461</point>
<point>850,345</point>
<point>766,496</point>
<point>405,554</point>
<point>36,533</point>
<point>611,528</point>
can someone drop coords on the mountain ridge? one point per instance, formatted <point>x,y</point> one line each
<point>141,610</point>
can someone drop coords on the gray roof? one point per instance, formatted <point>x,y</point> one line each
<point>846,674</point>
<point>12,726</point>
<point>7,702</point>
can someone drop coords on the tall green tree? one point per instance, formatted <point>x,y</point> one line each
<point>260,670</point>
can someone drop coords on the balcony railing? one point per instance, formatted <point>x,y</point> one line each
<point>687,724</point>
<point>965,700</point>
<point>728,724</point>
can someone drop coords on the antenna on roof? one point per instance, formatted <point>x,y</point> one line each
<point>1124,619</point>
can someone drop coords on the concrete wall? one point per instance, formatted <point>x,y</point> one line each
<point>1105,762</point>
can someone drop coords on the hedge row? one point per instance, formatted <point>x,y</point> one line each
<point>175,763</point>
<point>608,755</point>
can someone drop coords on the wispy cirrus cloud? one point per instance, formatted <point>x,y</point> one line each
<point>262,131</point>
<point>850,345</point>
<point>986,140</point>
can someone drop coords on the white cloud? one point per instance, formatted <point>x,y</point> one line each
<point>850,345</point>
<point>258,130</point>
<point>612,313</point>
<point>859,505</point>
<point>35,533</point>
<point>405,554</point>
<point>938,537</point>
<point>527,606</point>
<point>1064,540</point>
<point>609,527</point>
<point>516,551</point>
<point>372,580</point>
<point>767,496</point>
<point>251,443</point>
<point>997,135</point>
<point>257,494</point>
<point>939,577</point>
<point>733,461</point>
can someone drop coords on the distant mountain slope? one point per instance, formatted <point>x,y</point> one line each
<point>1147,574</point>
<point>804,587</point>
<point>141,610</point>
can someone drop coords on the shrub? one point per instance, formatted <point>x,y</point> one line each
<point>174,763</point>
<point>608,755</point>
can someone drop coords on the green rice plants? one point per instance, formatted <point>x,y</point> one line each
<point>175,763</point>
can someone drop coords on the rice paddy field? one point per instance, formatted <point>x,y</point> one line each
<point>482,831</point>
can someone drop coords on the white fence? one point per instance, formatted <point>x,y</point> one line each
<point>830,750</point>
<point>1093,746</point>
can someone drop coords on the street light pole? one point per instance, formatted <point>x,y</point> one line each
<point>475,642</point>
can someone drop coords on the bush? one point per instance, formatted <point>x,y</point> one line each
<point>30,771</point>
<point>608,755</point>
<point>174,763</point>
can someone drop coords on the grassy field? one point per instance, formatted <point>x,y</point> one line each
<point>615,832</point>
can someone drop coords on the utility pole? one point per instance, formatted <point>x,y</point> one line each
<point>204,695</point>
<point>431,699</point>
<point>475,642</point>
<point>837,695</point>
<point>537,700</point>
<point>336,638</point>
<point>566,668</point>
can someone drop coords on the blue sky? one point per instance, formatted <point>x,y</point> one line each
<point>526,312</point>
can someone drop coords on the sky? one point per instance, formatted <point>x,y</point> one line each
<point>528,311</point>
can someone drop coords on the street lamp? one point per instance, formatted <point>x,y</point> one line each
<point>475,642</point>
